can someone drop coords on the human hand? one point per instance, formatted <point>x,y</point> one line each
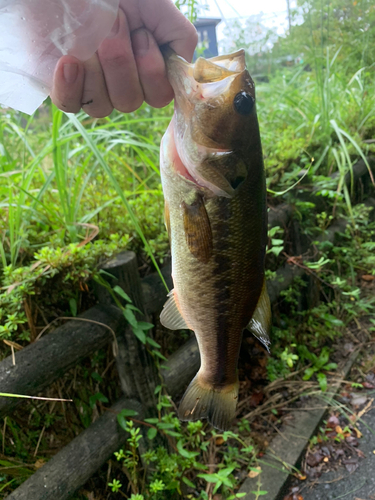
<point>128,68</point>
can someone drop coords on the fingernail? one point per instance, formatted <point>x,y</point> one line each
<point>115,28</point>
<point>140,42</point>
<point>70,72</point>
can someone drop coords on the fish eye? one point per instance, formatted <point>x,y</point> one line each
<point>243,103</point>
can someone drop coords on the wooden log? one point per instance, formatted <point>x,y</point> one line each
<point>124,271</point>
<point>154,292</point>
<point>41,363</point>
<point>182,366</point>
<point>69,469</point>
<point>135,365</point>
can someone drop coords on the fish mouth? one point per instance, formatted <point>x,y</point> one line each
<point>203,70</point>
<point>203,79</point>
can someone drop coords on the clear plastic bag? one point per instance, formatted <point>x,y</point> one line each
<point>34,34</point>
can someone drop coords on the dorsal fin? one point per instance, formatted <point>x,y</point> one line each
<point>170,316</point>
<point>260,323</point>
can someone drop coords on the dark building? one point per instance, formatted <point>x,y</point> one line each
<point>207,42</point>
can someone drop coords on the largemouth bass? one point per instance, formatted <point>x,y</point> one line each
<point>215,212</point>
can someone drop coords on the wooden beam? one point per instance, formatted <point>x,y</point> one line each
<point>69,469</point>
<point>43,362</point>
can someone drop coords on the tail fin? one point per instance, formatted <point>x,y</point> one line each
<point>203,401</point>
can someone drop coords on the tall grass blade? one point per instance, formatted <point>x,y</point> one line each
<point>104,165</point>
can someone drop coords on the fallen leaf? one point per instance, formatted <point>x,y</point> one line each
<point>358,399</point>
<point>255,472</point>
<point>351,464</point>
<point>314,459</point>
<point>333,422</point>
<point>358,433</point>
<point>360,453</point>
<point>300,476</point>
<point>39,463</point>
<point>352,440</point>
<point>332,434</point>
<point>256,398</point>
<point>293,496</point>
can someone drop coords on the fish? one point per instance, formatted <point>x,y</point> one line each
<point>214,188</point>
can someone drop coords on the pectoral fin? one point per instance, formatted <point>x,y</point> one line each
<point>197,228</point>
<point>170,316</point>
<point>260,323</point>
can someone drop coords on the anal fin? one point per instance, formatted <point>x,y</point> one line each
<point>261,321</point>
<point>170,316</point>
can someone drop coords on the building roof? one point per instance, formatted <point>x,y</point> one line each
<point>206,21</point>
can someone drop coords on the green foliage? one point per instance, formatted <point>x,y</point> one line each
<point>55,198</point>
<point>319,363</point>
<point>179,466</point>
<point>276,245</point>
<point>55,275</point>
